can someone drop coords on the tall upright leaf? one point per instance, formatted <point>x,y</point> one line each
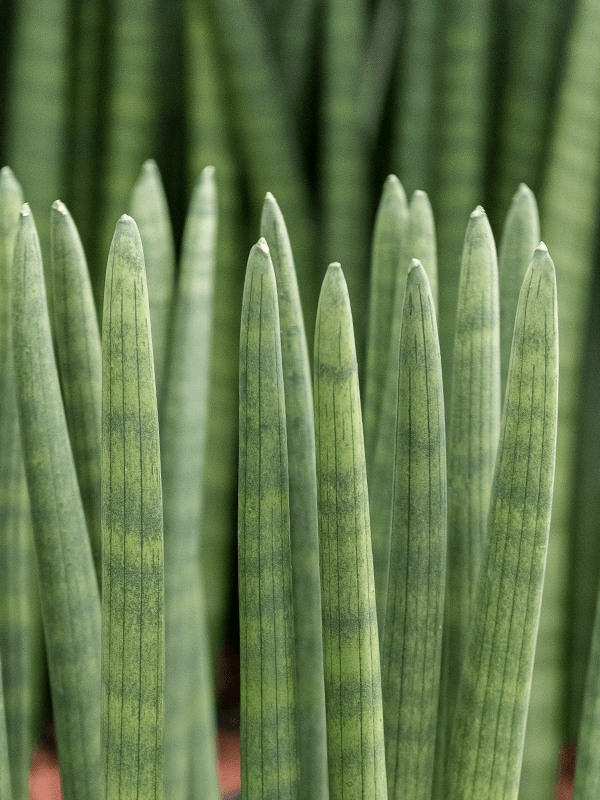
<point>355,746</point>
<point>473,429</point>
<point>132,533</point>
<point>489,725</point>
<point>422,243</point>
<point>20,621</point>
<point>190,717</point>
<point>304,535</point>
<point>79,356</point>
<point>68,585</point>
<point>388,254</point>
<point>268,730</point>
<point>520,237</point>
<point>148,206</point>
<point>412,637</point>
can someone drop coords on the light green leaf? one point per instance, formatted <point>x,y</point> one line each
<point>190,715</point>
<point>355,747</point>
<point>68,586</point>
<point>132,533</point>
<point>304,535</point>
<point>412,638</point>
<point>79,355</point>
<point>148,206</point>
<point>489,726</point>
<point>268,729</point>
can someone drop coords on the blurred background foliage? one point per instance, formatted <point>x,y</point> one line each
<point>317,101</point>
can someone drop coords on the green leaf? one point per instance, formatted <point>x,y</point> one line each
<point>355,747</point>
<point>520,237</point>
<point>20,619</point>
<point>132,533</point>
<point>389,266</point>
<point>268,730</point>
<point>148,207</point>
<point>68,586</point>
<point>489,726</point>
<point>387,260</point>
<point>304,534</point>
<point>79,356</point>
<point>473,430</point>
<point>421,238</point>
<point>189,686</point>
<point>412,639</point>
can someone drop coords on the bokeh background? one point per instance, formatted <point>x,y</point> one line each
<point>317,101</point>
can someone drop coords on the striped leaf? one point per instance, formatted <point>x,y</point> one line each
<point>387,259</point>
<point>189,691</point>
<point>489,726</point>
<point>355,747</point>
<point>18,582</point>
<point>389,265</point>
<point>68,586</point>
<point>520,237</point>
<point>79,355</point>
<point>473,430</point>
<point>148,207</point>
<point>132,541</point>
<point>412,638</point>
<point>306,587</point>
<point>422,241</point>
<point>268,730</point>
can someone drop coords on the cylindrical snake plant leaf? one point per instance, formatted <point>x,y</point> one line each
<point>389,267</point>
<point>412,638</point>
<point>79,355</point>
<point>389,251</point>
<point>68,585</point>
<point>132,527</point>
<point>421,239</point>
<point>486,746</point>
<point>20,621</point>
<point>148,207</point>
<point>304,534</point>
<point>473,430</point>
<point>190,715</point>
<point>587,769</point>
<point>267,674</point>
<point>355,745</point>
<point>520,237</point>
<point>11,200</point>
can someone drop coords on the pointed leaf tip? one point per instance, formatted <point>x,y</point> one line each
<point>25,210</point>
<point>478,212</point>
<point>262,245</point>
<point>59,206</point>
<point>541,246</point>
